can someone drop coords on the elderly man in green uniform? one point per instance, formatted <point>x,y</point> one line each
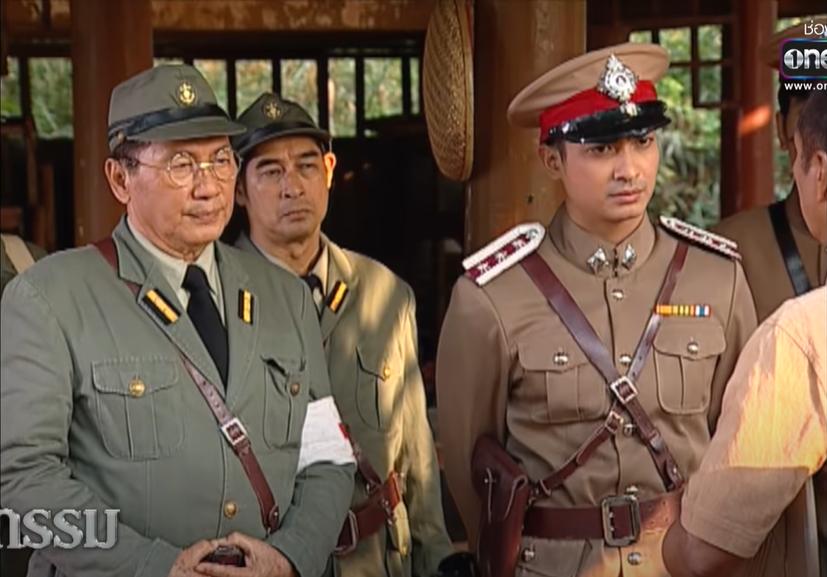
<point>368,324</point>
<point>170,377</point>
<point>581,365</point>
<point>780,255</point>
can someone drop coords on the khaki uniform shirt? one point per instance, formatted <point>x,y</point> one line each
<point>496,374</point>
<point>762,259</point>
<point>772,435</point>
<point>99,412</point>
<point>371,348</point>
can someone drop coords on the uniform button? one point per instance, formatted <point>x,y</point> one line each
<point>295,388</point>
<point>528,555</point>
<point>634,558</point>
<point>561,358</point>
<point>625,360</point>
<point>386,372</point>
<point>618,294</point>
<point>137,388</point>
<point>230,509</point>
<point>693,347</point>
<point>629,429</point>
<point>632,490</point>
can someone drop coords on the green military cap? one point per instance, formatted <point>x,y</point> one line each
<point>269,117</point>
<point>169,102</point>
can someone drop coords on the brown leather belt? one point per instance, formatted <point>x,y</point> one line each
<point>618,520</point>
<point>370,516</point>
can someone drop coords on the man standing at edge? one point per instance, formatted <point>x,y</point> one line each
<point>781,257</point>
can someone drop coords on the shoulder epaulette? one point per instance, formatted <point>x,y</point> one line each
<point>701,237</point>
<point>503,252</point>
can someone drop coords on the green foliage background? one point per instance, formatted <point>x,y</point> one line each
<point>688,182</point>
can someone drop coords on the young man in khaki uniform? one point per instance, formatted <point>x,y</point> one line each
<point>510,368</point>
<point>772,435</point>
<point>368,324</point>
<point>167,376</point>
<point>780,256</point>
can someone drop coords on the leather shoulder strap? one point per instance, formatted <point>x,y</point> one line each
<point>786,243</point>
<point>19,254</point>
<point>622,388</point>
<point>231,427</point>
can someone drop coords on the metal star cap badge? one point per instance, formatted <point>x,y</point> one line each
<point>271,109</point>
<point>186,94</point>
<point>618,82</point>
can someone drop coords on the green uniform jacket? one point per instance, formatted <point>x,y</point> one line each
<point>371,348</point>
<point>77,433</point>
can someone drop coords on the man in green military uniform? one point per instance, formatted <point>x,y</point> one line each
<point>120,361</point>
<point>368,325</point>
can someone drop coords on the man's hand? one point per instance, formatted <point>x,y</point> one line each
<point>261,559</point>
<point>190,557</point>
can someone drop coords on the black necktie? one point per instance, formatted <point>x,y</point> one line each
<point>205,317</point>
<point>315,284</point>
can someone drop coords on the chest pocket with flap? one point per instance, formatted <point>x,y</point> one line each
<point>379,383</point>
<point>686,352</point>
<point>559,384</point>
<point>139,406</point>
<point>287,393</point>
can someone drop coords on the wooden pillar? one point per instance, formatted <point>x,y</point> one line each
<point>111,40</point>
<point>756,21</point>
<point>514,43</point>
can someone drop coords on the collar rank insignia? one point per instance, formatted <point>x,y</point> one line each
<point>162,308</point>
<point>503,252</point>
<point>701,237</point>
<point>683,310</point>
<point>246,302</point>
<point>337,296</point>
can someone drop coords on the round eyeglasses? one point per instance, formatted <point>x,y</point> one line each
<point>182,167</point>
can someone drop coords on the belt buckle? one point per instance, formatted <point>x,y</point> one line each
<point>614,422</point>
<point>234,431</point>
<point>606,506</point>
<point>391,497</point>
<point>616,385</point>
<point>353,533</point>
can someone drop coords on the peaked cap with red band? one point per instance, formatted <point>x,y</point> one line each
<point>600,96</point>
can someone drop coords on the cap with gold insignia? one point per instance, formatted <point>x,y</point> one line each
<point>600,96</point>
<point>169,102</point>
<point>770,51</point>
<point>270,116</point>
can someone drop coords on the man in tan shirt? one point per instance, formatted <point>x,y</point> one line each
<point>508,367</point>
<point>781,258</point>
<point>772,435</point>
